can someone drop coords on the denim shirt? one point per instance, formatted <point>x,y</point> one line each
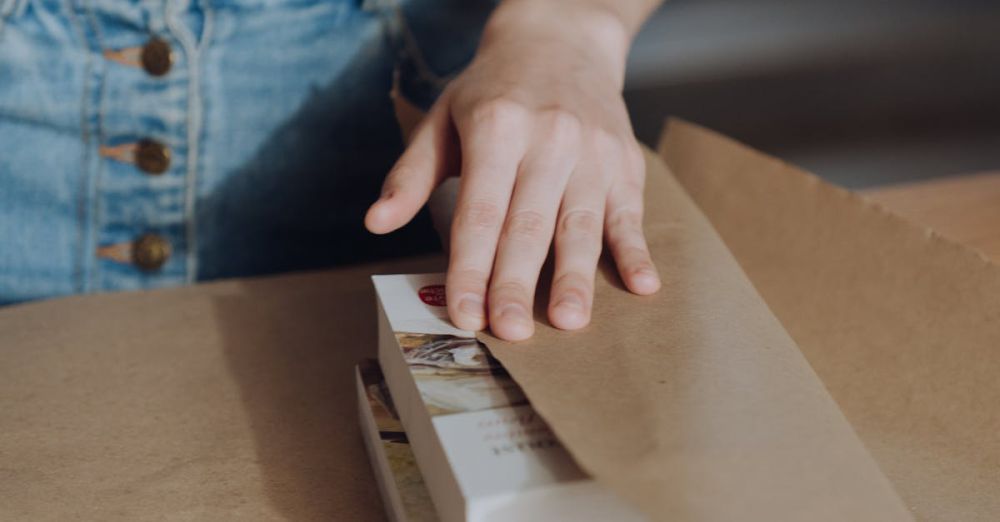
<point>150,143</point>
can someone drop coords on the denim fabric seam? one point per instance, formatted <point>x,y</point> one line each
<point>192,49</point>
<point>79,270</point>
<point>11,9</point>
<point>98,177</point>
<point>7,10</point>
<point>195,150</point>
<point>156,23</point>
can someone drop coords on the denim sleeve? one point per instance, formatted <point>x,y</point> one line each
<point>433,40</point>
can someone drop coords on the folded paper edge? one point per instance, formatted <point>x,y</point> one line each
<point>676,125</point>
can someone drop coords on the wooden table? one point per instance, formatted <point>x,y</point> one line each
<point>235,400</point>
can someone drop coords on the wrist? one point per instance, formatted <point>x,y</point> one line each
<point>589,25</point>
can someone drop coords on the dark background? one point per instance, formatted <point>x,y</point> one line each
<point>861,92</point>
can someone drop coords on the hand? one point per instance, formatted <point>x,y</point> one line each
<point>547,155</point>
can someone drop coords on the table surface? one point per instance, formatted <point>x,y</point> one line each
<point>235,399</point>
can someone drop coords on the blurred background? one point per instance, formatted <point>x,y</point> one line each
<point>861,92</point>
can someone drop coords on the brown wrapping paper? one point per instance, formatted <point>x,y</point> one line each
<point>694,403</point>
<point>235,400</point>
<point>901,325</point>
<point>225,401</point>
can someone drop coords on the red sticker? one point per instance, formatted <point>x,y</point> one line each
<point>433,295</point>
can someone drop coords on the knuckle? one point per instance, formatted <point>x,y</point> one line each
<point>581,222</point>
<point>633,187</point>
<point>625,219</point>
<point>562,125</point>
<point>575,283</point>
<point>607,143</point>
<point>636,258</point>
<point>464,278</point>
<point>400,174</point>
<point>528,225</point>
<point>498,113</point>
<point>479,215</point>
<point>637,253</point>
<point>511,290</point>
<point>635,158</point>
<point>628,191</point>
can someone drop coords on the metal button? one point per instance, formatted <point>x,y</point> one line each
<point>157,57</point>
<point>150,252</point>
<point>152,156</point>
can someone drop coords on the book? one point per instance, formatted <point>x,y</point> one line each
<point>399,481</point>
<point>483,452</point>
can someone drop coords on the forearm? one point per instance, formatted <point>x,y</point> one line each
<point>605,28</point>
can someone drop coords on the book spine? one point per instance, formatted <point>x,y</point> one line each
<point>427,449</point>
<point>380,463</point>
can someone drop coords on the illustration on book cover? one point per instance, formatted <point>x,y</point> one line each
<point>457,374</point>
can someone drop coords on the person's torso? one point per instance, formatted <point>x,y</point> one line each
<point>156,142</point>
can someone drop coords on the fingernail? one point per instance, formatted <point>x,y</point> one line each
<point>646,273</point>
<point>515,312</point>
<point>570,301</point>
<point>647,278</point>
<point>570,313</point>
<point>471,304</point>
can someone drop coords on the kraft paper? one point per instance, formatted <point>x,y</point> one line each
<point>694,403</point>
<point>225,401</point>
<point>811,360</point>
<point>902,325</point>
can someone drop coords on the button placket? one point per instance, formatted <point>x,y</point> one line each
<point>148,208</point>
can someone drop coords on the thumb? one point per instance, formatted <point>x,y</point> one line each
<point>424,164</point>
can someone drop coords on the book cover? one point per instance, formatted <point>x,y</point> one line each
<point>484,451</point>
<point>400,482</point>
